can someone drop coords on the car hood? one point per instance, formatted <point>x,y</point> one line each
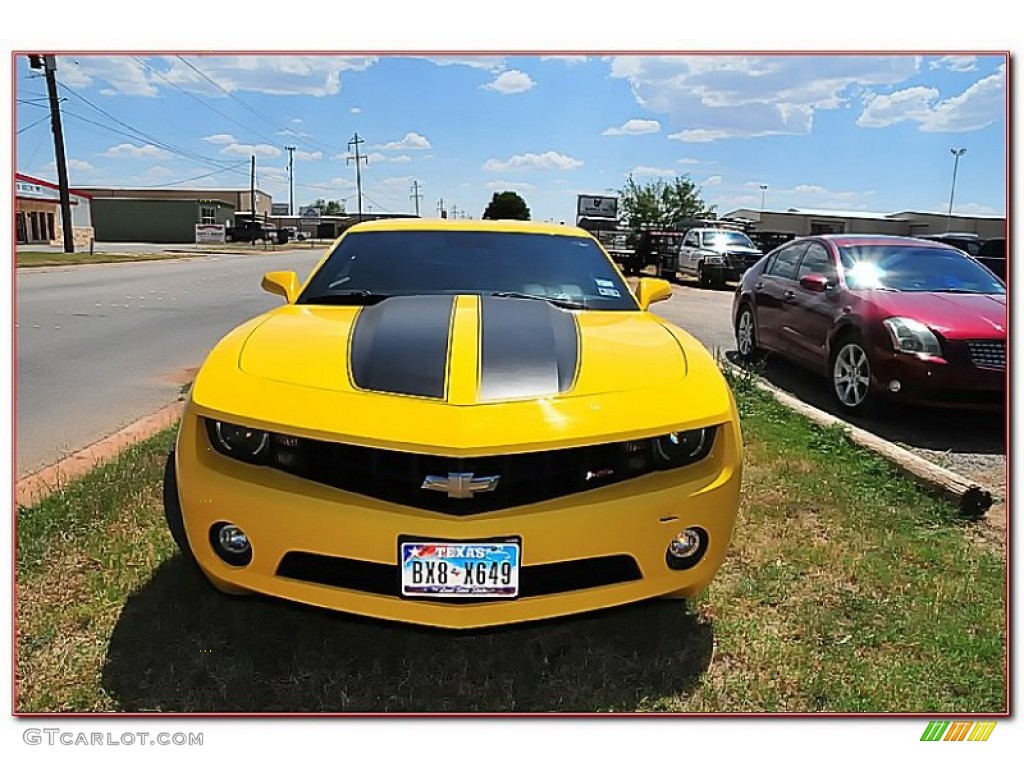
<point>463,350</point>
<point>954,315</point>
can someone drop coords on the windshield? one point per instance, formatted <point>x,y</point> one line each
<point>727,239</point>
<point>571,270</point>
<point>915,269</point>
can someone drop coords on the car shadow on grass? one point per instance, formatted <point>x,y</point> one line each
<point>957,431</point>
<point>179,646</point>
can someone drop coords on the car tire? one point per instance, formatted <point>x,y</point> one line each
<point>176,525</point>
<point>850,376</point>
<point>702,276</point>
<point>746,334</point>
<point>229,238</point>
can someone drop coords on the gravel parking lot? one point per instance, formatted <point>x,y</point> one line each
<point>971,443</point>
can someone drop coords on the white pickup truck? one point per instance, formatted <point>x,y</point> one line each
<point>715,256</point>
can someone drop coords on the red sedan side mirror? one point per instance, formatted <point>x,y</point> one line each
<point>816,283</point>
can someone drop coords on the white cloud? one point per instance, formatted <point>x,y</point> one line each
<point>380,157</point>
<point>135,151</point>
<point>719,97</point>
<point>505,186</point>
<point>968,209</point>
<point>712,181</point>
<point>549,159</point>
<point>108,92</point>
<point>512,81</point>
<point>356,111</point>
<point>275,75</point>
<point>220,138</point>
<point>412,140</point>
<point>122,74</point>
<point>650,170</point>
<point>955,63</point>
<point>634,127</point>
<point>341,183</point>
<point>244,150</point>
<point>80,166</point>
<point>691,161</point>
<point>570,60</point>
<point>489,63</point>
<point>303,155</point>
<point>298,120</point>
<point>980,105</point>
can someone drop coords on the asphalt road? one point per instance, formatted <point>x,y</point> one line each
<point>101,346</point>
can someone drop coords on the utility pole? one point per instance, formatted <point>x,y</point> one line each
<point>252,191</point>
<point>48,63</point>
<point>455,211</point>
<point>416,195</point>
<point>291,180</point>
<point>764,191</point>
<point>356,141</point>
<point>957,153</point>
<point>440,209</point>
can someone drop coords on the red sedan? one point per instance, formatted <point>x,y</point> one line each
<point>915,320</point>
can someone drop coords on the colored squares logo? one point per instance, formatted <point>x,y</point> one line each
<point>960,730</point>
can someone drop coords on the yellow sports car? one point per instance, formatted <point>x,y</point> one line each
<point>458,424</point>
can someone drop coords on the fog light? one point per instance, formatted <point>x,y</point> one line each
<point>686,549</point>
<point>231,544</point>
<point>895,386</point>
<point>685,543</point>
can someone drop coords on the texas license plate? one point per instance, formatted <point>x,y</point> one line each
<point>459,569</point>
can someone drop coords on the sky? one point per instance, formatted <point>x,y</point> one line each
<point>850,132</point>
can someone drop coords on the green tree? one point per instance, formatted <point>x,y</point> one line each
<point>507,205</point>
<point>661,203</point>
<point>329,207</point>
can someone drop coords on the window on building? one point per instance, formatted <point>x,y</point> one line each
<point>207,215</point>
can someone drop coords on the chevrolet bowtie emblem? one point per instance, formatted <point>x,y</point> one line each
<point>460,485</point>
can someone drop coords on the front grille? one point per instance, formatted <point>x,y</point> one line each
<point>988,354</point>
<point>742,260</point>
<point>525,478</point>
<point>534,580</point>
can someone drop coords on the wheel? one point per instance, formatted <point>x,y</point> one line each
<point>703,277</point>
<point>176,525</point>
<point>746,334</point>
<point>230,238</point>
<point>851,376</point>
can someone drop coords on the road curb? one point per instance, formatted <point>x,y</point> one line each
<point>973,499</point>
<point>37,486</point>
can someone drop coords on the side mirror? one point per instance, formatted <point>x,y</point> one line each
<point>652,289</point>
<point>283,284</point>
<point>814,282</point>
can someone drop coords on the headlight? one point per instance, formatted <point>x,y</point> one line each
<point>677,449</point>
<point>716,260</point>
<point>238,442</point>
<point>913,336</point>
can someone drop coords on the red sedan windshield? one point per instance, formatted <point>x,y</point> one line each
<point>915,269</point>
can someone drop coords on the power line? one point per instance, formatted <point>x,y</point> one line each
<point>202,176</point>
<point>252,109</point>
<point>33,125</point>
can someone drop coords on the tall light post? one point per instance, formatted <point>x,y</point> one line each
<point>764,191</point>
<point>957,153</point>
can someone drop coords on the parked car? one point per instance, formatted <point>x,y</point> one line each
<point>458,424</point>
<point>715,256</point>
<point>992,254</point>
<point>968,242</point>
<point>917,321</point>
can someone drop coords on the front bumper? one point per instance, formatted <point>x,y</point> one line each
<point>939,383</point>
<point>338,533</point>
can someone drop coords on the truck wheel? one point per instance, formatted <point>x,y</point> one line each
<point>703,277</point>
<point>230,238</point>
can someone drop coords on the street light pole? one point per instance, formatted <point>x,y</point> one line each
<point>764,191</point>
<point>957,153</point>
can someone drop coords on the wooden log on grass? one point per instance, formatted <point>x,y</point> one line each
<point>973,499</point>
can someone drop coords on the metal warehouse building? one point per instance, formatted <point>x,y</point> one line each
<point>237,198</point>
<point>155,220</point>
<point>799,222</point>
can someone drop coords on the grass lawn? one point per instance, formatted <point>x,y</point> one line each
<point>47,259</point>
<point>846,590</point>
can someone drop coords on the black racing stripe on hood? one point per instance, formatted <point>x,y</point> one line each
<point>528,348</point>
<point>401,345</point>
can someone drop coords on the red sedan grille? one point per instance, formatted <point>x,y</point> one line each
<point>988,354</point>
